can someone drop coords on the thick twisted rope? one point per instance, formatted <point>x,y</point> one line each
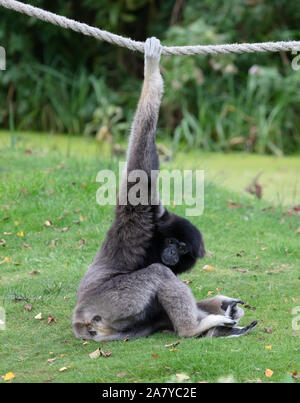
<point>139,46</point>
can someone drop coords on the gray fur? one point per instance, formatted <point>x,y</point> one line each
<point>119,297</point>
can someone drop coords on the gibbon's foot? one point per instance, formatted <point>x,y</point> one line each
<point>232,310</point>
<point>94,325</point>
<point>91,330</point>
<point>222,331</point>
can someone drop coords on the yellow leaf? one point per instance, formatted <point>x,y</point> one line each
<point>268,347</point>
<point>269,373</point>
<point>7,259</point>
<point>20,233</point>
<point>9,376</point>
<point>209,268</point>
<point>64,368</point>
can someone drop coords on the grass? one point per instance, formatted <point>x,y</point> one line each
<point>56,182</point>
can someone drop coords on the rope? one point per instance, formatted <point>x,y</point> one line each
<point>139,46</point>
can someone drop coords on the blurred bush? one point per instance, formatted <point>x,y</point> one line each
<point>60,81</point>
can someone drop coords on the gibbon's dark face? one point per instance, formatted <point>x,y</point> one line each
<point>172,251</point>
<point>180,243</point>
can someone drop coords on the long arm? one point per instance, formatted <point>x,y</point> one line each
<point>142,153</point>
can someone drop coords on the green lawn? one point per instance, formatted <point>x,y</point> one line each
<point>56,183</point>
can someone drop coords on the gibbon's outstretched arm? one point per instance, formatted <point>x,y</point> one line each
<point>142,153</point>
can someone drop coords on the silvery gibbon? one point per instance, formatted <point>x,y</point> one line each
<point>131,289</point>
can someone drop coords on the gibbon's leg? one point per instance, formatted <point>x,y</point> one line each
<point>132,309</point>
<point>228,307</point>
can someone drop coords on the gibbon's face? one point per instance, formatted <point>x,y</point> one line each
<point>172,251</point>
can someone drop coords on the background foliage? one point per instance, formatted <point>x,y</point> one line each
<point>60,81</point>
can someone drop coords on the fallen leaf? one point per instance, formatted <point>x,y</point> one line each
<point>121,374</point>
<point>268,330</point>
<point>295,374</point>
<point>64,368</point>
<point>6,218</point>
<point>95,354</point>
<point>28,307</point>
<point>172,344</point>
<point>231,204</point>
<point>239,270</point>
<point>268,347</point>
<point>24,191</point>
<point>247,306</point>
<point>26,246</point>
<point>154,355</point>
<point>51,319</point>
<point>48,223</point>
<point>293,210</point>
<point>38,316</point>
<point>187,281</point>
<point>100,353</point>
<point>34,272</point>
<point>9,376</point>
<point>269,372</point>
<point>65,229</point>
<point>50,360</point>
<point>182,377</point>
<point>2,242</point>
<point>209,268</point>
